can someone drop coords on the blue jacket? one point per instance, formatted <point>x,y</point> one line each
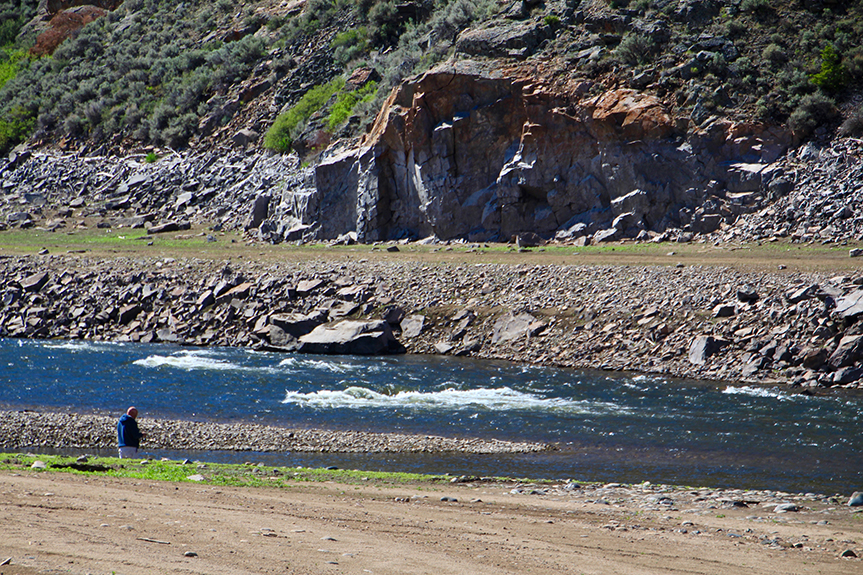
<point>128,434</point>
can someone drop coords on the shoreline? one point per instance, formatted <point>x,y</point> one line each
<point>698,322</point>
<point>23,429</point>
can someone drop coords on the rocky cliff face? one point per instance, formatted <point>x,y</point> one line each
<point>470,150</point>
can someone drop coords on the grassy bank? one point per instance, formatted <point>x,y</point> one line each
<point>236,475</point>
<point>204,244</point>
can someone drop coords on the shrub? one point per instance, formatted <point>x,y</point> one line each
<point>10,64</point>
<point>774,54</point>
<point>833,77</point>
<point>814,110</point>
<point>735,28</point>
<point>552,21</point>
<point>853,125</point>
<point>350,44</point>
<point>346,102</point>
<point>635,49</point>
<point>281,134</point>
<point>13,15</point>
<point>15,126</point>
<point>385,26</point>
<point>754,5</point>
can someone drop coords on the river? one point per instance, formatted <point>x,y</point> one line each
<point>609,426</point>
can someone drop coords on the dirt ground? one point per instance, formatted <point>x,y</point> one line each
<point>60,523</point>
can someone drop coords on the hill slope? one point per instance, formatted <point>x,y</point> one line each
<point>149,72</point>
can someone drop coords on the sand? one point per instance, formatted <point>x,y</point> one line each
<point>55,522</point>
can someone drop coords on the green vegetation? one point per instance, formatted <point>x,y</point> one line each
<point>151,157</point>
<point>10,63</point>
<point>13,15</point>
<point>350,44</point>
<point>215,474</point>
<point>347,101</point>
<point>833,76</point>
<point>165,73</point>
<point>551,20</point>
<point>813,111</point>
<point>15,125</point>
<point>285,128</point>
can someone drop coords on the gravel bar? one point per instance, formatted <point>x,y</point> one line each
<point>29,429</point>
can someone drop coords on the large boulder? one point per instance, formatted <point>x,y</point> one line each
<point>351,337</point>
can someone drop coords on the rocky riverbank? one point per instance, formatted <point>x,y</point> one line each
<point>27,429</point>
<point>697,321</point>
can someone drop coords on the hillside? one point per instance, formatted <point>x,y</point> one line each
<point>580,121</point>
<point>117,75</point>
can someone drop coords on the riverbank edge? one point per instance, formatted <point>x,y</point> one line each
<point>699,322</point>
<point>23,429</point>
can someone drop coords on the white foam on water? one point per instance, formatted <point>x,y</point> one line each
<point>190,361</point>
<point>500,399</point>
<point>757,392</point>
<point>83,345</point>
<point>325,365</point>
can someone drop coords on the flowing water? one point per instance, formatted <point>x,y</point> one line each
<point>610,427</point>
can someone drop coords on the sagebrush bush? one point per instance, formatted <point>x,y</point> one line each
<point>774,54</point>
<point>635,49</point>
<point>813,111</point>
<point>853,125</point>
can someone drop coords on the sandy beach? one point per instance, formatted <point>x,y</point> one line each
<point>62,523</point>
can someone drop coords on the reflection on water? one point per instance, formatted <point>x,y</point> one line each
<point>608,427</point>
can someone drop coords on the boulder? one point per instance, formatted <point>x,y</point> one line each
<point>851,305</point>
<point>724,310</point>
<point>412,326</point>
<point>295,324</point>
<point>168,227</point>
<point>703,347</point>
<point>240,292</point>
<point>351,337</point>
<point>513,326</point>
<point>393,315</point>
<point>849,352</point>
<point>35,282</point>
<point>260,211</point>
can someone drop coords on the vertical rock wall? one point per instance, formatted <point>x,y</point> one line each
<point>480,153</point>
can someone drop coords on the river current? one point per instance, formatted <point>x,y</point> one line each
<point>609,427</point>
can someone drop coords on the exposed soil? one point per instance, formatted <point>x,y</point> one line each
<point>56,523</point>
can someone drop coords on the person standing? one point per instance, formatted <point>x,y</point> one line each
<point>128,434</point>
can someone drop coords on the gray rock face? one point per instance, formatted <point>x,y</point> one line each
<point>351,337</point>
<point>468,168</point>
